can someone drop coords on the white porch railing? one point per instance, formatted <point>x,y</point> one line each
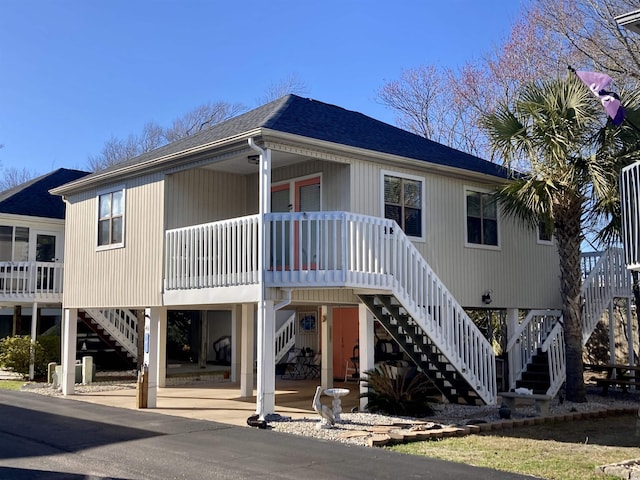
<point>215,254</point>
<point>286,337</point>
<point>31,279</point>
<point>121,324</point>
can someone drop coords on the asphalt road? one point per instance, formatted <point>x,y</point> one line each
<point>54,438</point>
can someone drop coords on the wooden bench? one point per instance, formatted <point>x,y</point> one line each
<point>619,375</point>
<point>622,382</point>
<point>541,401</point>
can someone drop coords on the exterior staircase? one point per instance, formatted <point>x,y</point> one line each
<point>536,350</point>
<point>421,350</point>
<point>117,328</point>
<point>431,327</point>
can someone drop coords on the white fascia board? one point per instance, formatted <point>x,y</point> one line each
<point>152,165</point>
<point>382,158</point>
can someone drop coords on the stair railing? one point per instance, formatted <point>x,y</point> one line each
<point>556,354</point>
<point>360,251</point>
<point>606,279</point>
<point>527,339</point>
<point>434,308</point>
<point>121,324</point>
<point>285,337</point>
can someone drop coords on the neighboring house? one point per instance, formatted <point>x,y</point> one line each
<point>32,237</point>
<point>306,207</point>
<point>31,253</point>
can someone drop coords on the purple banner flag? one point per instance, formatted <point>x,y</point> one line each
<point>598,83</point>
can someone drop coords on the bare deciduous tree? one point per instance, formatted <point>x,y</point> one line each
<point>117,150</point>
<point>290,84</point>
<point>547,37</point>
<point>12,177</point>
<point>203,116</point>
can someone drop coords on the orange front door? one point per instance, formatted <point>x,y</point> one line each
<point>345,338</point>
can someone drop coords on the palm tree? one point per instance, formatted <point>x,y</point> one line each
<point>555,130</point>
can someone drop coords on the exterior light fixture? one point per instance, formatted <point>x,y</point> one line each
<point>486,297</point>
<point>254,159</point>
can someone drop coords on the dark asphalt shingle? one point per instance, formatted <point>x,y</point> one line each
<point>33,199</point>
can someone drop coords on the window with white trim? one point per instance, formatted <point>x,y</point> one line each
<point>111,218</point>
<point>403,203</point>
<point>14,244</point>
<point>482,218</point>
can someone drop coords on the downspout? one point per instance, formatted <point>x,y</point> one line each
<point>263,208</point>
<point>285,302</point>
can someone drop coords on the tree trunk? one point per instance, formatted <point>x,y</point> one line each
<point>567,214</point>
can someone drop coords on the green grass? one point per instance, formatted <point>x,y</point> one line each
<point>563,451</point>
<point>11,384</point>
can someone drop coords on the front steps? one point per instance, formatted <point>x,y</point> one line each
<point>421,350</point>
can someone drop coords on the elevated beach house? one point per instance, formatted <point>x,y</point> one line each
<point>301,206</point>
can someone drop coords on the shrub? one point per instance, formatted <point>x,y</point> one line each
<point>15,353</point>
<point>397,394</point>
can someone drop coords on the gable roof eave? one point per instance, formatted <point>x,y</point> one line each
<point>270,135</point>
<point>154,164</point>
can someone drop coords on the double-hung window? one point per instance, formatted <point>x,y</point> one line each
<point>482,218</point>
<point>111,218</point>
<point>14,244</point>
<point>403,203</point>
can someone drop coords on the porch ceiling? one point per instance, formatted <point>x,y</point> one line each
<point>239,164</point>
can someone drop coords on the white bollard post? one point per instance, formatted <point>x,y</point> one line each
<point>87,370</point>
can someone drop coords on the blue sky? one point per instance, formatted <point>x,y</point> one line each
<point>75,73</point>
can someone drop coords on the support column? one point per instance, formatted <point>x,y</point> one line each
<point>632,360</point>
<point>247,350</point>
<point>152,322</point>
<point>69,339</point>
<point>236,345</point>
<point>34,333</point>
<point>612,335</point>
<point>162,348</point>
<point>204,339</point>
<point>326,340</point>
<point>513,358</point>
<point>367,348</point>
<point>17,320</point>
<point>266,384</point>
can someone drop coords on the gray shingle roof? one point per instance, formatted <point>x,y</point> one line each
<point>322,121</point>
<point>33,199</point>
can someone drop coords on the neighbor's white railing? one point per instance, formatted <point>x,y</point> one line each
<point>31,279</point>
<point>630,204</point>
<point>217,254</point>
<point>121,324</point>
<point>608,278</point>
<point>285,337</point>
<point>528,337</point>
